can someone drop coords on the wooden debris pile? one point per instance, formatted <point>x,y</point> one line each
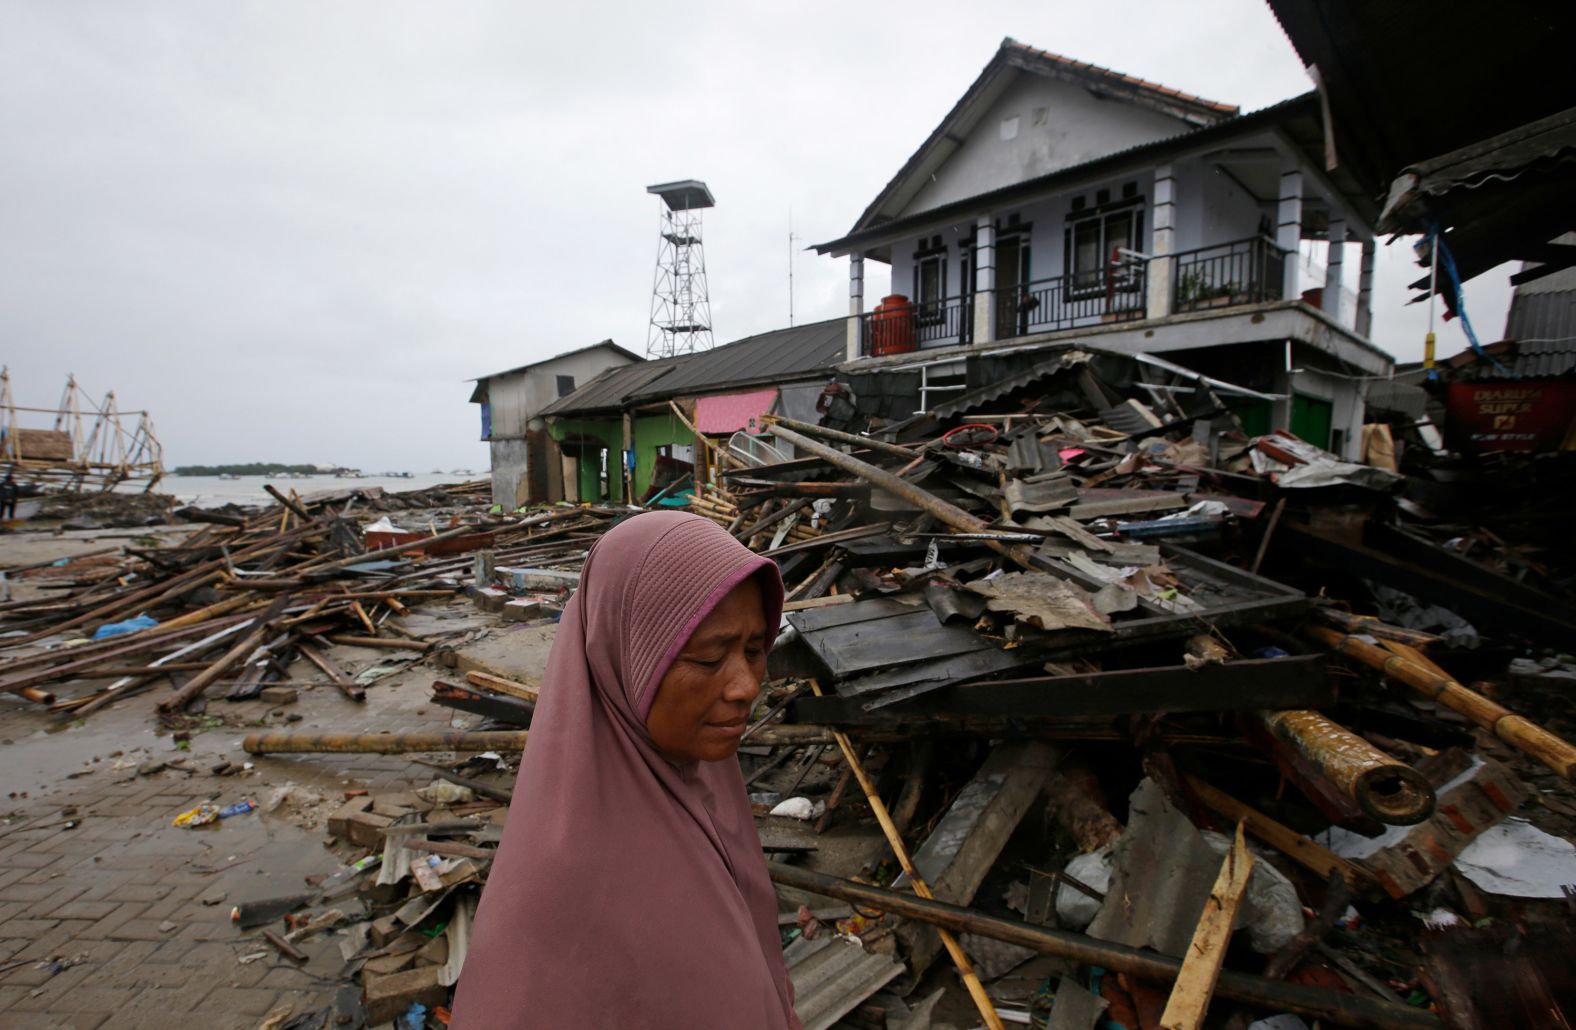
<point>1055,597</point>
<point>235,603</point>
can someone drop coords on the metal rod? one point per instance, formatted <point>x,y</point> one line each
<point>1343,1009</point>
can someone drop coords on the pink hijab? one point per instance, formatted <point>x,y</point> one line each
<point>630,892</point>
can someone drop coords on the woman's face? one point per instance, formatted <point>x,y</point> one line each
<point>702,703</point>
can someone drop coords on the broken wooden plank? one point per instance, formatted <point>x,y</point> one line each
<point>1207,951</point>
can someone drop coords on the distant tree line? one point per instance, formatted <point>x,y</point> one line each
<point>256,468</point>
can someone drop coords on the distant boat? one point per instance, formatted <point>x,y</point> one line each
<point>229,475</point>
<point>349,474</point>
<point>398,475</point>
<point>461,472</point>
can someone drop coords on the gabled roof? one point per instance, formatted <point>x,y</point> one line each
<point>1298,118</point>
<point>1011,58</point>
<point>608,344</point>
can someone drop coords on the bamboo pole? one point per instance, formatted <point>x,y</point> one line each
<point>387,643</point>
<point>971,979</point>
<point>1343,1009</point>
<point>382,743</point>
<point>1282,838</point>
<point>1372,626</point>
<point>703,439</point>
<point>1524,735</point>
<point>347,686</point>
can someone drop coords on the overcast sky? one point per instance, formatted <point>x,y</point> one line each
<point>292,230</point>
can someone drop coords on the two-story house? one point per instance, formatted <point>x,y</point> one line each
<point>1061,202</point>
<point>526,466</point>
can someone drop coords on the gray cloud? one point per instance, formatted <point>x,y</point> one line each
<point>291,230</point>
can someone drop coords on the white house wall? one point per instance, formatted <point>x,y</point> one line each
<point>1039,126</point>
<point>507,398</point>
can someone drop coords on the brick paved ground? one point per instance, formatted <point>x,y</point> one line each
<point>142,908</point>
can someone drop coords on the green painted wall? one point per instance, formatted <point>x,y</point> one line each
<point>610,433</point>
<point>651,432</point>
<point>1312,419</point>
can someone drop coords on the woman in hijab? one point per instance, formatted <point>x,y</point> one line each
<point>630,890</point>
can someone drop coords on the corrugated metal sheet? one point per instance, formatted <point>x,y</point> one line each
<point>731,412</point>
<point>831,976</point>
<point>1543,324</point>
<point>607,391</point>
<point>976,399</point>
<point>769,357</point>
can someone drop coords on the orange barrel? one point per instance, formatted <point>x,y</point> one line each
<point>892,326</point>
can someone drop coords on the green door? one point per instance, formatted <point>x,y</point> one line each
<point>1255,415</point>
<point>1311,419</point>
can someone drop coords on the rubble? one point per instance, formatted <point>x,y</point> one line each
<point>1083,678</point>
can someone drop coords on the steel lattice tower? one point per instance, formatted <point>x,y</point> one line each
<point>680,308</point>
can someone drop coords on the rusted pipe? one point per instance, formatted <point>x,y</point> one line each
<point>1382,787</point>
<point>382,743</point>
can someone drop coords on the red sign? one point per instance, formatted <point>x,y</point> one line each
<point>1524,416</point>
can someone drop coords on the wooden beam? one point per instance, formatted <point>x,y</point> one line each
<point>1277,835</point>
<point>1207,952</point>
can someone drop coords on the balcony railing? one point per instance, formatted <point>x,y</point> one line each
<point>1227,274</point>
<point>1114,294</point>
<point>1240,272</point>
<point>897,330</point>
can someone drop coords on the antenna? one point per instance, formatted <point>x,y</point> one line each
<point>791,239</point>
<point>680,308</point>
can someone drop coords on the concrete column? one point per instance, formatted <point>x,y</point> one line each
<point>984,280</point>
<point>1162,243</point>
<point>856,304</point>
<point>1288,229</point>
<point>1335,256</point>
<point>1365,290</point>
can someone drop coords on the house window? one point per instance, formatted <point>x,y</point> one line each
<point>930,280</point>
<point>1091,261</point>
<point>566,385</point>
